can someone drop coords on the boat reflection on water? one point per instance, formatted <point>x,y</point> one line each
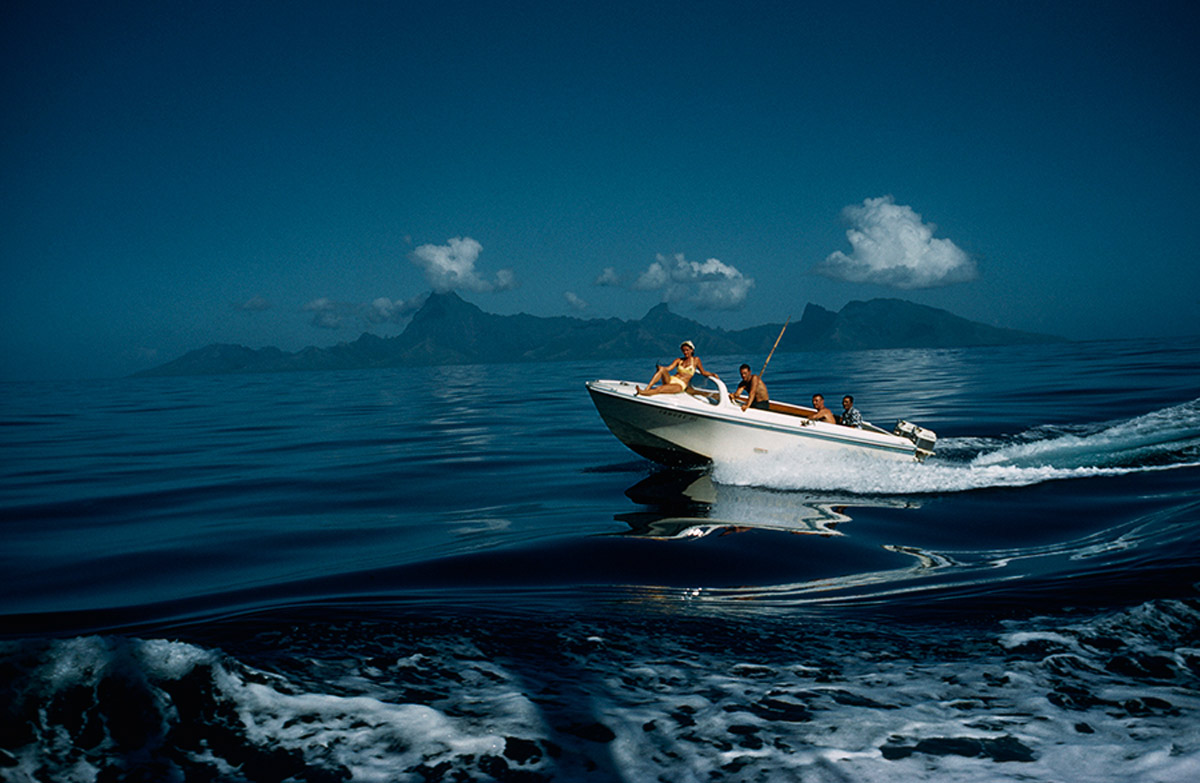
<point>689,504</point>
<point>849,566</point>
<point>872,562</point>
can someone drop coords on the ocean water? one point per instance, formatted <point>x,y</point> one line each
<point>458,574</point>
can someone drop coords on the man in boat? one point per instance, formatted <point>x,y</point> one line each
<point>821,413</point>
<point>754,389</point>
<point>850,416</point>
<point>685,367</point>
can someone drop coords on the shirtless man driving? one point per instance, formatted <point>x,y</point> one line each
<point>754,389</point>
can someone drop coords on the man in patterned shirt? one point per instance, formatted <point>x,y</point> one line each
<point>850,415</point>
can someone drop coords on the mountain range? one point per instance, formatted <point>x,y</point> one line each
<point>449,330</point>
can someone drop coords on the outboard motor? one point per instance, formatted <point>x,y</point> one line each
<point>922,438</point>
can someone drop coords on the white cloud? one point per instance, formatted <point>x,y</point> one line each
<point>327,314</point>
<point>608,277</point>
<point>505,280</point>
<point>710,285</point>
<point>575,302</point>
<point>255,304</point>
<point>892,246</point>
<point>654,278</point>
<point>451,266</point>
<point>384,310</point>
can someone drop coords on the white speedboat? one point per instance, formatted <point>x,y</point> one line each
<point>700,426</point>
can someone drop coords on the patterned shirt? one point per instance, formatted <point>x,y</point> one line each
<point>852,418</point>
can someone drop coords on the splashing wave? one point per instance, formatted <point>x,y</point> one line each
<point>1162,440</point>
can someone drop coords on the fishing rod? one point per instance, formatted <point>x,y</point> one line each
<point>773,347</point>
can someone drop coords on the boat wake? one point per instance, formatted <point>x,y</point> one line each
<point>1166,439</point>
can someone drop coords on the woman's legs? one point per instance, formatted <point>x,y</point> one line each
<point>671,385</point>
<point>659,375</point>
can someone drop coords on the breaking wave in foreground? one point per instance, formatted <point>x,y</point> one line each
<point>1167,439</point>
<point>1097,699</point>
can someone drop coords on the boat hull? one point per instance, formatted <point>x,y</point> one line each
<point>693,430</point>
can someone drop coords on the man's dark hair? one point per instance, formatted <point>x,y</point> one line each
<point>744,367</point>
<point>850,397</point>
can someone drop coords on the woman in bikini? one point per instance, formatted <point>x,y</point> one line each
<point>685,367</point>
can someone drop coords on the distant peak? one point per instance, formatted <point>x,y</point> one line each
<point>448,301</point>
<point>444,296</point>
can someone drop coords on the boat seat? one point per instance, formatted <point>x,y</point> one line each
<point>779,407</point>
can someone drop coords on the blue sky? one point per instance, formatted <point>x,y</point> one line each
<point>292,174</point>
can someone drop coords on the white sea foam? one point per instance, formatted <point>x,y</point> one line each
<point>1161,440</point>
<point>367,733</point>
<point>1035,700</point>
<point>1166,432</point>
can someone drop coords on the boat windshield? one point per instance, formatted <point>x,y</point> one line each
<point>708,389</point>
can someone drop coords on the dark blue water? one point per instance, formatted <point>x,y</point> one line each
<point>458,574</point>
